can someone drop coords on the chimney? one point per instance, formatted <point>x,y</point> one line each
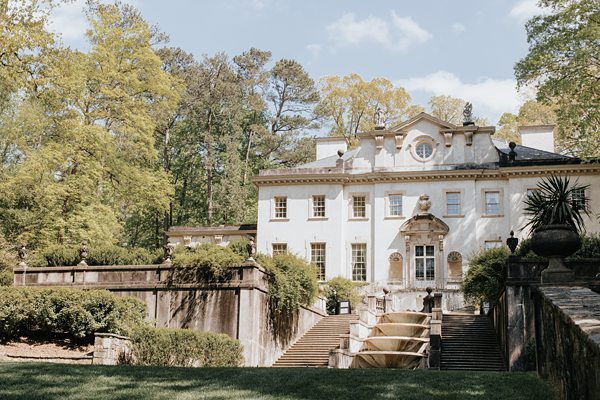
<point>329,146</point>
<point>539,137</point>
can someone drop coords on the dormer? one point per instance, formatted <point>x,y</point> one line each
<point>427,142</point>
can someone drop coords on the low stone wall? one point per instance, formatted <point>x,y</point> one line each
<point>238,308</point>
<point>111,349</point>
<point>568,340</point>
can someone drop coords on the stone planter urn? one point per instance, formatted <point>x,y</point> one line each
<point>555,242</point>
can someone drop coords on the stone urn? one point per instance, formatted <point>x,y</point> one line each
<point>555,242</point>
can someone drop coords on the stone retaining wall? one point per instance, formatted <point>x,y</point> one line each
<point>238,307</point>
<point>568,340</point>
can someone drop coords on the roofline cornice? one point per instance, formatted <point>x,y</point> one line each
<point>502,173</point>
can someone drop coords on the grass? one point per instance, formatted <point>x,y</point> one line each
<point>52,381</point>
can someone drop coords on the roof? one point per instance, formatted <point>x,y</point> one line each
<point>530,156</point>
<point>329,162</point>
<point>212,230</point>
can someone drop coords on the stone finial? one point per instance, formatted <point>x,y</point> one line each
<point>251,249</point>
<point>512,155</point>
<point>468,114</point>
<point>512,242</point>
<point>379,119</point>
<point>23,255</point>
<point>83,253</point>
<point>424,204</point>
<point>169,249</point>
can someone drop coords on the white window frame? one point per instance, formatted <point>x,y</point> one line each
<point>274,216</point>
<point>425,257</point>
<point>420,140</point>
<point>579,199</point>
<point>319,259</point>
<point>351,207</point>
<point>279,244</point>
<point>388,205</point>
<point>484,212</point>
<point>461,196</point>
<point>312,207</point>
<point>354,261</point>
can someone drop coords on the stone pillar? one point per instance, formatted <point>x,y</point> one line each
<point>111,349</point>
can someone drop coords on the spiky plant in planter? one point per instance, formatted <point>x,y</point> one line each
<point>556,223</point>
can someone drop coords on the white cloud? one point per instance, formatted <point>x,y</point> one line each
<point>525,9</point>
<point>69,21</point>
<point>314,49</point>
<point>490,97</point>
<point>397,34</point>
<point>457,27</point>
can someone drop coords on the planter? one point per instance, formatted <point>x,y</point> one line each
<point>555,242</point>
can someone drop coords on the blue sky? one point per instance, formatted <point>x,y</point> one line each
<point>461,48</point>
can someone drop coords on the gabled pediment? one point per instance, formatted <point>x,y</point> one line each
<point>424,223</point>
<point>423,117</point>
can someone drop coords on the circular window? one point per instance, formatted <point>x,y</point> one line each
<point>424,150</point>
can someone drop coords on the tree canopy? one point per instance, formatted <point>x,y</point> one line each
<point>563,65</point>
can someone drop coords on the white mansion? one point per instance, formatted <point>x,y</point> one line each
<point>409,205</point>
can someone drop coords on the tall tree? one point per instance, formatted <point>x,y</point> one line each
<point>97,168</point>
<point>348,103</point>
<point>447,108</point>
<point>563,64</point>
<point>531,112</point>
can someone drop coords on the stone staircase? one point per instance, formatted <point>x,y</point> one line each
<point>469,342</point>
<point>312,349</point>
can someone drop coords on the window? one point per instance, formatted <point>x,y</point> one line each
<point>395,205</point>
<point>578,197</point>
<point>453,203</point>
<point>359,262</point>
<point>492,203</point>
<point>279,248</point>
<point>424,150</point>
<point>317,257</point>
<point>424,263</point>
<point>359,206</point>
<point>280,207</point>
<point>319,206</point>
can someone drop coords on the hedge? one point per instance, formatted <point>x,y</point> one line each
<point>99,255</point>
<point>292,282</point>
<point>206,262</point>
<point>339,288</point>
<point>184,348</point>
<point>76,313</point>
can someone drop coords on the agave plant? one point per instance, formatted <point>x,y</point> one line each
<point>557,202</point>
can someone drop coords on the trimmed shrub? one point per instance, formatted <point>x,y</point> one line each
<point>292,282</point>
<point>56,256</point>
<point>185,348</point>
<point>340,288</point>
<point>484,281</point>
<point>74,312</point>
<point>206,262</point>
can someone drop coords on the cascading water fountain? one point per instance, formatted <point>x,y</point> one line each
<point>397,340</point>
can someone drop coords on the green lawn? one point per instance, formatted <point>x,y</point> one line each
<point>51,381</point>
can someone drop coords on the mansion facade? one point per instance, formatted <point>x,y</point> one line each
<point>409,205</point>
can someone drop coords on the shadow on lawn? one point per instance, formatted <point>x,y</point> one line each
<point>48,381</point>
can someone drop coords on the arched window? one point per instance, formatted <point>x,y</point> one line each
<point>396,265</point>
<point>454,266</point>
